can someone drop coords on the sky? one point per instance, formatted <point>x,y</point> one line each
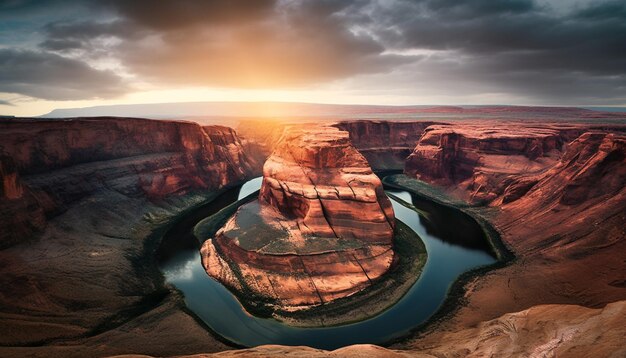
<point>63,53</point>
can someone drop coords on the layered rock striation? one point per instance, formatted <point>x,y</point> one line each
<point>322,227</point>
<point>46,166</point>
<point>492,163</point>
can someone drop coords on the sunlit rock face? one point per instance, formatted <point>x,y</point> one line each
<point>485,163</point>
<point>322,227</point>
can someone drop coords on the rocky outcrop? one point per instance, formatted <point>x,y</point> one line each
<point>47,165</point>
<point>490,162</point>
<point>385,144</point>
<point>541,331</point>
<point>485,163</point>
<point>322,228</point>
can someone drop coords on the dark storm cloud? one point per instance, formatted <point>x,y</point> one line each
<point>50,76</point>
<point>520,46</point>
<point>612,10</point>
<point>479,8</point>
<point>61,36</point>
<point>492,27</point>
<point>175,14</point>
<point>263,44</point>
<point>516,47</point>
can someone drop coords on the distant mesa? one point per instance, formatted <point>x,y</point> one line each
<point>224,112</point>
<point>321,229</point>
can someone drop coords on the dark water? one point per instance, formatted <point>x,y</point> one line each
<point>452,250</point>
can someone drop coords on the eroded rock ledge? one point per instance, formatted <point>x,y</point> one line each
<point>490,163</point>
<point>322,228</point>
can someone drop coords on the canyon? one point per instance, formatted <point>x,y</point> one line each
<point>84,200</point>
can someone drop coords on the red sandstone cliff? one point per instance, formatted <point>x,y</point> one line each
<point>489,163</point>
<point>322,229</point>
<point>96,191</point>
<point>46,165</point>
<point>561,208</point>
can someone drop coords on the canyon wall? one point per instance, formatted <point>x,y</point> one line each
<point>83,202</point>
<point>385,144</point>
<point>259,137</point>
<point>491,163</point>
<point>322,227</point>
<point>556,194</point>
<point>47,165</point>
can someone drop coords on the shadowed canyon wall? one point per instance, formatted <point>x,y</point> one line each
<point>82,204</point>
<point>385,144</point>
<point>557,195</point>
<point>47,165</point>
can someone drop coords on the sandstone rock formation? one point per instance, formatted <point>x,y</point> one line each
<point>47,166</point>
<point>565,221</point>
<point>541,331</point>
<point>385,144</point>
<point>79,200</point>
<point>489,162</point>
<point>322,228</point>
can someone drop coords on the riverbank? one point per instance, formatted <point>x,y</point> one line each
<point>480,215</point>
<point>107,243</point>
<point>461,287</point>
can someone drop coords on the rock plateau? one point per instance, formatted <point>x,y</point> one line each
<point>322,227</point>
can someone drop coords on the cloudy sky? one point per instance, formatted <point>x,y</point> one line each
<point>57,54</point>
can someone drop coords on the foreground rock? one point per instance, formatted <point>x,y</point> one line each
<point>541,331</point>
<point>322,228</point>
